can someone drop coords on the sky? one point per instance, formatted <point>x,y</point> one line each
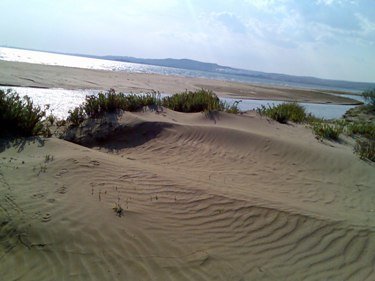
<point>333,39</point>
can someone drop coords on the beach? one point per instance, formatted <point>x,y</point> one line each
<point>163,195</point>
<point>47,76</point>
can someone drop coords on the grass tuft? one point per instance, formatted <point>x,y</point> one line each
<point>328,131</point>
<point>232,108</point>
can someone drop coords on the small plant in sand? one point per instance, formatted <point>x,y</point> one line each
<point>284,112</point>
<point>42,169</point>
<point>19,116</point>
<point>118,210</point>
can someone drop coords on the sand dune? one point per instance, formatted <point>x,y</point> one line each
<point>219,197</point>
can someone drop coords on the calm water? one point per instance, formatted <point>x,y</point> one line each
<point>326,111</point>
<point>19,55</point>
<point>72,98</point>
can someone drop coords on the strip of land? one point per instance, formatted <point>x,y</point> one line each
<point>46,76</point>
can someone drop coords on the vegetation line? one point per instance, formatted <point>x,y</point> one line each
<point>19,117</point>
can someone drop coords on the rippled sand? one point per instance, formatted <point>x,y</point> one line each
<point>217,197</point>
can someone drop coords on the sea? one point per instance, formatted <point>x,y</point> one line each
<point>60,101</point>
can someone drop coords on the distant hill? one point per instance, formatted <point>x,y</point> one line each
<point>176,63</point>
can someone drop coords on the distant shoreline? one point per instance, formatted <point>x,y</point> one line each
<point>21,74</point>
<point>211,71</point>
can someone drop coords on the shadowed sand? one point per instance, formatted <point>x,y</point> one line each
<point>35,75</point>
<point>219,197</point>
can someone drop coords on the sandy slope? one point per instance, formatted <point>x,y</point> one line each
<point>218,197</point>
<point>47,76</point>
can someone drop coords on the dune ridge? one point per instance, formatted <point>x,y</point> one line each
<point>205,197</point>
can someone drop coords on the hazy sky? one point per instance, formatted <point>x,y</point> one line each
<point>323,38</point>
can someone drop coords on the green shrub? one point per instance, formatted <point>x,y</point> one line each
<point>284,112</point>
<point>109,102</point>
<point>137,102</point>
<point>19,116</point>
<point>365,149</point>
<point>198,101</point>
<point>96,106</point>
<point>324,130</point>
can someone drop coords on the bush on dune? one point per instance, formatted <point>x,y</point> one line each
<point>284,112</point>
<point>198,101</point>
<point>109,102</point>
<point>19,116</point>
